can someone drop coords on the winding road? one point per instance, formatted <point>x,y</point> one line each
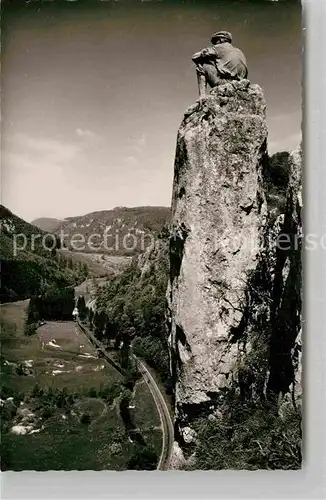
<point>162,408</point>
<point>163,411</point>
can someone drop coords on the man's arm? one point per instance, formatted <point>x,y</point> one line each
<point>207,53</point>
<point>196,57</point>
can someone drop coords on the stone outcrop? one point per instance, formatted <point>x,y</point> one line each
<point>218,212</point>
<point>233,296</point>
<point>285,340</point>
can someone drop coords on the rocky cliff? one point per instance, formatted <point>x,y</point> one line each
<point>285,247</point>
<point>233,296</point>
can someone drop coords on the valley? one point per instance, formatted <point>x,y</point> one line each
<point>94,359</point>
<point>59,394</point>
<point>98,264</point>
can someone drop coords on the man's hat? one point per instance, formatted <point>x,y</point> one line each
<point>221,34</point>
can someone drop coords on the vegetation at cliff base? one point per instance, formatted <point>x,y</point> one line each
<point>250,436</point>
<point>276,175</point>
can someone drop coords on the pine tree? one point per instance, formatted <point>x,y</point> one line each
<point>81,306</point>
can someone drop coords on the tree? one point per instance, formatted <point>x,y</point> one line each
<point>54,304</point>
<point>99,322</point>
<point>62,262</point>
<point>81,306</point>
<point>37,392</point>
<point>90,316</point>
<point>33,315</point>
<point>279,169</point>
<point>132,374</point>
<point>124,352</point>
<point>85,270</point>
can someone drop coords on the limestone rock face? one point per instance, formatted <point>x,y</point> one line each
<point>285,244</point>
<point>177,458</point>
<point>234,293</point>
<point>218,212</point>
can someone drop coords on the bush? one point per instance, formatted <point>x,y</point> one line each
<point>115,448</point>
<point>276,174</point>
<point>85,418</point>
<point>30,329</point>
<point>92,393</point>
<point>131,377</point>
<point>37,392</point>
<point>155,352</point>
<point>7,412</point>
<point>250,437</point>
<point>110,392</point>
<point>278,171</point>
<point>48,411</point>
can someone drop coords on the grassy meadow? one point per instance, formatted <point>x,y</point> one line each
<point>60,401</point>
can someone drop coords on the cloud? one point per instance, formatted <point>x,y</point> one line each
<point>85,133</point>
<point>142,140</point>
<point>140,143</point>
<point>46,149</point>
<point>131,160</point>
<point>287,116</point>
<point>36,173</point>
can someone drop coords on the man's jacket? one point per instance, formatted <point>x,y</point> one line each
<point>229,60</point>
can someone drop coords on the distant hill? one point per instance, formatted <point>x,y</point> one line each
<point>26,271</point>
<point>47,224</point>
<point>28,266</point>
<point>11,227</point>
<point>140,223</point>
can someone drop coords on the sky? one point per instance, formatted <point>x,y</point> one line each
<point>92,96</point>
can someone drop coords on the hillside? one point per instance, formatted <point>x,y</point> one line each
<point>107,230</point>
<point>47,224</point>
<point>131,308</point>
<point>98,264</point>
<point>31,255</point>
<point>30,261</point>
<point>12,227</point>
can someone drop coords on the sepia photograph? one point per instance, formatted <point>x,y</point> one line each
<point>151,235</point>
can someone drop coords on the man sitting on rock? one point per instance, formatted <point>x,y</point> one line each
<point>223,61</point>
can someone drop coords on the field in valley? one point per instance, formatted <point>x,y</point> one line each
<point>99,264</point>
<point>60,401</point>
